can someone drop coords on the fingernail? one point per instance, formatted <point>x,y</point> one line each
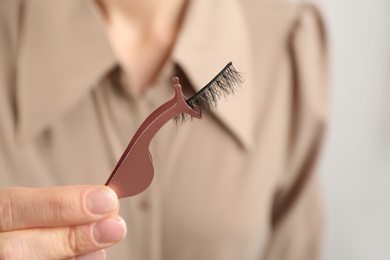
<point>101,201</point>
<point>109,230</point>
<point>98,255</point>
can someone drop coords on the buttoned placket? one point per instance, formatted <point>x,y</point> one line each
<point>148,204</point>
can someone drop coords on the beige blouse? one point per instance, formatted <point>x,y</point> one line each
<point>238,184</point>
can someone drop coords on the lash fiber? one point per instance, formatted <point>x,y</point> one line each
<point>222,85</point>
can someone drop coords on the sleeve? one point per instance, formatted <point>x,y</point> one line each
<point>297,214</point>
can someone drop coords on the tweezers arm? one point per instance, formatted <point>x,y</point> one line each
<point>134,171</point>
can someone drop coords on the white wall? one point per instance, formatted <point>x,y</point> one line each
<point>356,161</point>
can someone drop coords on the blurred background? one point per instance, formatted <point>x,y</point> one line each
<point>355,164</point>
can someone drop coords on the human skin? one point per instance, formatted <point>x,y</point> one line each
<point>67,222</point>
<point>142,35</point>
<point>72,222</point>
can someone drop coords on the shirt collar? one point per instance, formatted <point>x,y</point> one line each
<point>57,59</point>
<point>60,44</point>
<point>212,36</point>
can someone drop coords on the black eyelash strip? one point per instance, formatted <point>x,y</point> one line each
<point>223,84</point>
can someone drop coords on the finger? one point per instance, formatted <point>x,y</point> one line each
<point>62,242</point>
<point>22,208</point>
<point>97,255</point>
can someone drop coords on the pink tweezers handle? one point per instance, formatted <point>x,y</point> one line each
<point>134,170</point>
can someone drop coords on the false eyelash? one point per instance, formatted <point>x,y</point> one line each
<point>223,84</point>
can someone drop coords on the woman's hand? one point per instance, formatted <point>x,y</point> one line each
<point>70,222</point>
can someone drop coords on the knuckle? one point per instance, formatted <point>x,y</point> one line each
<point>6,213</point>
<point>57,208</point>
<point>64,208</point>
<point>71,243</point>
<point>78,240</point>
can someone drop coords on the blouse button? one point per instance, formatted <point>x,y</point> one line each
<point>144,205</point>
